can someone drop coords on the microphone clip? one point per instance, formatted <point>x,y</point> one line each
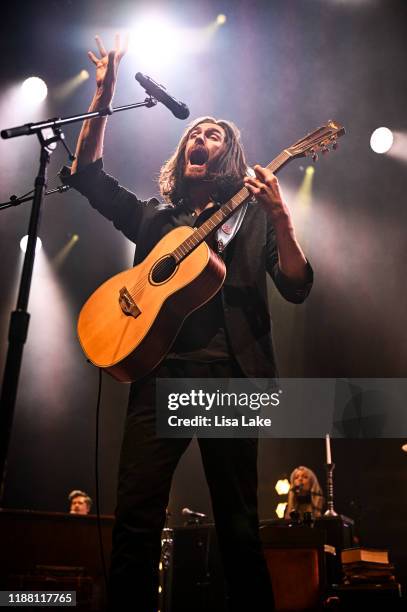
<point>150,101</point>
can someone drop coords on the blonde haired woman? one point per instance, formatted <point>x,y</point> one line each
<point>305,493</point>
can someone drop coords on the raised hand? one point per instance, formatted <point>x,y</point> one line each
<point>90,142</point>
<point>107,64</point>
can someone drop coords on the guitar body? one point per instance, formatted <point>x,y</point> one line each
<point>129,323</point>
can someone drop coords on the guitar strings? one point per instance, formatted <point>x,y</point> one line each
<point>164,266</point>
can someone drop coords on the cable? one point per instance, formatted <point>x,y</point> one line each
<point>98,521</point>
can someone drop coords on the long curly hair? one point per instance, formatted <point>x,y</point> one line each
<point>230,168</point>
<point>316,502</point>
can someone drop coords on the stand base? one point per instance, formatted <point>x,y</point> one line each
<point>330,512</point>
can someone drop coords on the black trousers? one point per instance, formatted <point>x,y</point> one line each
<point>147,465</point>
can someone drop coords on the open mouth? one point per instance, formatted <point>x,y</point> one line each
<point>199,156</point>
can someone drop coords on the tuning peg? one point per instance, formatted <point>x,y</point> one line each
<point>314,154</point>
<point>325,149</point>
<point>334,145</point>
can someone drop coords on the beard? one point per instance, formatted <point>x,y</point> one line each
<point>221,188</point>
<point>225,187</point>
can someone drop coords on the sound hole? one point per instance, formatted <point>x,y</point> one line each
<point>163,269</point>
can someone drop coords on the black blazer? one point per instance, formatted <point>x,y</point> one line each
<point>248,257</point>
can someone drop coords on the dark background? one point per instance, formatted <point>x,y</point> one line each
<point>279,69</point>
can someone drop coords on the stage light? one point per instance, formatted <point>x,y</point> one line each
<point>304,193</point>
<point>24,241</point>
<point>68,87</point>
<point>280,510</point>
<point>404,448</point>
<point>381,140</point>
<point>155,42</point>
<point>34,90</point>
<point>205,35</point>
<point>63,253</point>
<point>283,486</point>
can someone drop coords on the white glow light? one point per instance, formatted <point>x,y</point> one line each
<point>283,486</point>
<point>381,140</point>
<point>34,90</point>
<point>23,244</point>
<point>280,510</point>
<point>155,42</point>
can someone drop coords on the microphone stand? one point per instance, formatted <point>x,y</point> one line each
<point>15,200</point>
<point>49,134</point>
<point>330,512</point>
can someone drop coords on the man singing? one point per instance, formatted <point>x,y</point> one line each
<point>228,337</point>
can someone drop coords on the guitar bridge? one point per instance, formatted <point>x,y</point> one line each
<point>127,304</point>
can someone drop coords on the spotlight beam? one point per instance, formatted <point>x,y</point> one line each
<point>68,87</point>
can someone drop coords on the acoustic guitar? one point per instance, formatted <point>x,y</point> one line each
<point>129,323</point>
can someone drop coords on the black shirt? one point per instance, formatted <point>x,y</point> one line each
<point>202,336</point>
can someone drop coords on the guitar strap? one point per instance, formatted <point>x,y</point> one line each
<point>230,228</point>
<point>226,232</point>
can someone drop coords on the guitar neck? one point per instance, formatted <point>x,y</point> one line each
<point>224,212</point>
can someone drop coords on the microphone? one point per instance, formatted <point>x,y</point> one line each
<point>179,109</point>
<point>299,489</point>
<point>189,512</point>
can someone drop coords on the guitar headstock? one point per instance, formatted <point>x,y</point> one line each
<point>320,140</point>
